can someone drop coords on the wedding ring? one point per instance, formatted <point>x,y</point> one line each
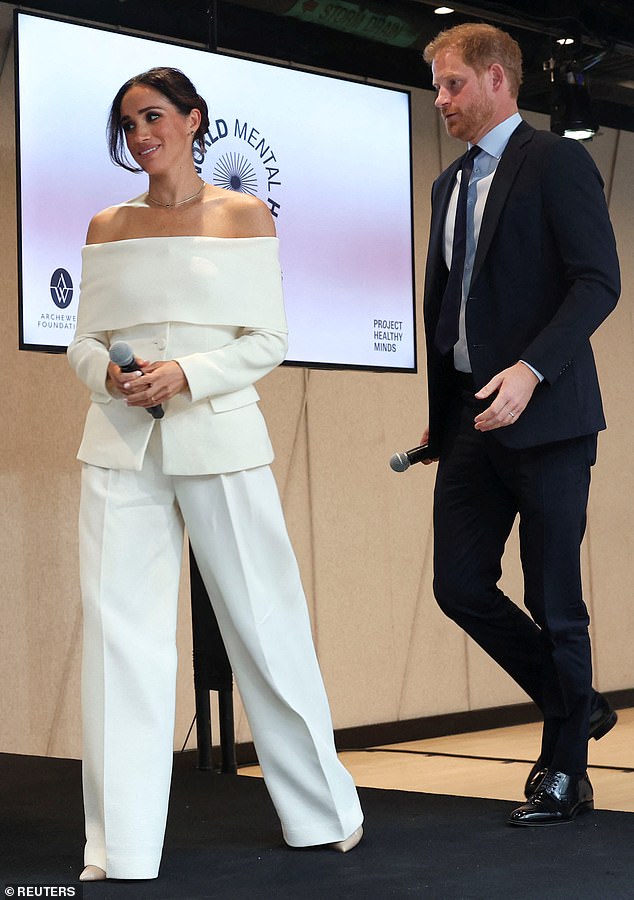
<point>512,415</point>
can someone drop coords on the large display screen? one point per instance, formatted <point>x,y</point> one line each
<point>330,157</point>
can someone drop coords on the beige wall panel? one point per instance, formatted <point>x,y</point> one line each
<point>604,150</point>
<point>362,533</point>
<point>611,512</point>
<point>427,164</point>
<point>352,524</point>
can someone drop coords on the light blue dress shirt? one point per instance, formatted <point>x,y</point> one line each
<point>492,146</point>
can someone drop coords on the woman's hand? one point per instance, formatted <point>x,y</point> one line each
<point>116,380</point>
<point>159,381</point>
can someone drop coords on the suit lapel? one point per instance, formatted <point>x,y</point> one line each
<point>505,174</point>
<point>444,189</point>
<point>436,270</point>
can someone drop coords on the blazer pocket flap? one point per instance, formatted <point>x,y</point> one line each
<point>234,400</point>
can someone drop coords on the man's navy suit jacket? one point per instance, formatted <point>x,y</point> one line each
<point>545,276</point>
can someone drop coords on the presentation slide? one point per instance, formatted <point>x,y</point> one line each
<point>330,157</point>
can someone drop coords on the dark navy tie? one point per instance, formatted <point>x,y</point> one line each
<point>447,327</point>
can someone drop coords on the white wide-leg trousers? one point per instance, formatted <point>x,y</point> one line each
<point>131,540</point>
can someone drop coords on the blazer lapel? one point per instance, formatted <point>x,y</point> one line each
<point>444,189</point>
<point>436,268</point>
<point>505,174</point>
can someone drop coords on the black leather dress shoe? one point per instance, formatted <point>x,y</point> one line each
<point>602,719</point>
<point>557,800</point>
<point>535,777</point>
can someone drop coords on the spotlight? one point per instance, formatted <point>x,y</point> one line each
<point>571,113</point>
<point>443,10</point>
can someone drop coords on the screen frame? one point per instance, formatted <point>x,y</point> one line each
<point>19,13</point>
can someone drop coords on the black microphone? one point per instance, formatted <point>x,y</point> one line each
<point>402,461</point>
<point>121,354</point>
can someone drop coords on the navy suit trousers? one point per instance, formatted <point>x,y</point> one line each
<point>481,487</point>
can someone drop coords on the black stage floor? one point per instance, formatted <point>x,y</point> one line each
<point>224,842</point>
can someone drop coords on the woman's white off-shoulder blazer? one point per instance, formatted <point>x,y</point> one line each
<point>214,305</point>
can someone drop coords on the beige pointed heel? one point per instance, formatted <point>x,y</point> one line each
<point>350,842</point>
<point>92,873</point>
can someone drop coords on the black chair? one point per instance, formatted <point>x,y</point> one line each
<point>212,672</point>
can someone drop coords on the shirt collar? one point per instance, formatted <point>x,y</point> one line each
<point>495,141</point>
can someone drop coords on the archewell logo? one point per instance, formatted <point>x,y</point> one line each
<point>239,157</point>
<point>61,288</point>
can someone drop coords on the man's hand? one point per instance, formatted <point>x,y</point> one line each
<point>514,388</point>
<point>425,440</point>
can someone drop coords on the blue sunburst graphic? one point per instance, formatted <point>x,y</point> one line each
<point>234,172</point>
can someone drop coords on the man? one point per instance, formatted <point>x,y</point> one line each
<point>521,269</point>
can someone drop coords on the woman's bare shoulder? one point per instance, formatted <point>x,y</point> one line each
<point>246,215</point>
<point>106,225</point>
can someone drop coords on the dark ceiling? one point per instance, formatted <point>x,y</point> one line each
<point>382,40</point>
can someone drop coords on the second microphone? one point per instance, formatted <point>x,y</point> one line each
<point>400,462</point>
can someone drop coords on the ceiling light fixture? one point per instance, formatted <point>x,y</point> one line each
<point>443,10</point>
<point>571,114</point>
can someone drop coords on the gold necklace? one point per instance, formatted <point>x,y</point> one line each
<point>178,202</point>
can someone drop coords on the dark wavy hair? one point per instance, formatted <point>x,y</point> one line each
<point>177,88</point>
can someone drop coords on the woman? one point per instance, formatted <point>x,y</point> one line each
<point>187,274</point>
